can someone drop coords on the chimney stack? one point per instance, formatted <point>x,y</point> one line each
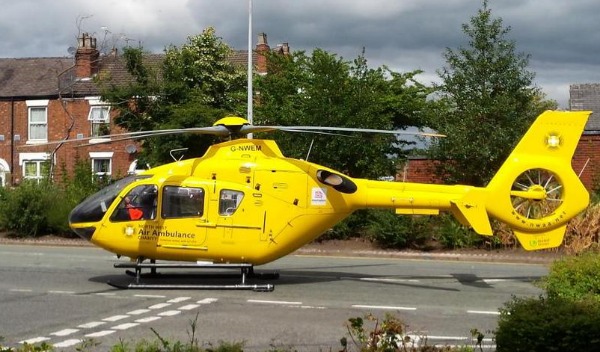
<point>262,48</point>
<point>86,57</point>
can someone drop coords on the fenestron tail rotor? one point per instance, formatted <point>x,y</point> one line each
<point>536,194</point>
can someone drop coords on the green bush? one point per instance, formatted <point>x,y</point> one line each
<point>389,230</point>
<point>451,234</point>
<point>34,209</point>
<point>24,211</point>
<point>574,277</point>
<point>548,324</point>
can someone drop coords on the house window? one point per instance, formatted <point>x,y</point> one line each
<point>99,117</point>
<point>101,163</point>
<point>37,120</point>
<point>35,166</point>
<point>101,166</point>
<point>35,169</point>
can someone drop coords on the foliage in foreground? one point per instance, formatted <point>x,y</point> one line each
<point>370,334</point>
<point>390,335</point>
<point>574,278</point>
<point>549,324</point>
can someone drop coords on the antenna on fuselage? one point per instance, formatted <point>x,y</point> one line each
<point>177,150</point>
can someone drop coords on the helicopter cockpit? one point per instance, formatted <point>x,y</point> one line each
<point>93,208</point>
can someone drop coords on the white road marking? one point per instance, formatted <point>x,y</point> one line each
<point>106,294</point>
<point>91,325</point>
<point>483,312</point>
<point>178,299</point>
<point>116,317</point>
<point>149,296</point>
<point>125,326</point>
<point>159,306</point>
<point>207,301</point>
<point>21,290</point>
<point>147,320</point>
<point>491,281</point>
<point>62,292</point>
<point>169,313</point>
<point>138,311</point>
<point>67,343</point>
<point>64,332</point>
<point>373,279</point>
<point>189,307</point>
<point>456,338</point>
<point>361,306</point>
<point>100,333</point>
<point>275,302</point>
<point>35,340</point>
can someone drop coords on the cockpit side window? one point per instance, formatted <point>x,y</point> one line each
<point>182,202</point>
<point>229,201</point>
<point>138,204</point>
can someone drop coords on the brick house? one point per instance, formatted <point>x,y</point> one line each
<point>53,98</point>
<point>587,157</point>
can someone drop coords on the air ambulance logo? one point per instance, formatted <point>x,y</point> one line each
<point>128,231</point>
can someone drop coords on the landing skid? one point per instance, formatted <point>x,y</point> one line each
<point>247,270</point>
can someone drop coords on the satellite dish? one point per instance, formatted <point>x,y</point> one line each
<point>130,148</point>
<point>72,50</point>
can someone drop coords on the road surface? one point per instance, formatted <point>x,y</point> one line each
<point>59,295</point>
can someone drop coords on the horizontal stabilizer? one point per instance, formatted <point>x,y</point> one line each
<point>470,211</point>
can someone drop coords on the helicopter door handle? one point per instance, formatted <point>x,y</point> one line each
<point>205,223</point>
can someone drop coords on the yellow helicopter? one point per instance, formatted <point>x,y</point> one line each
<point>244,203</point>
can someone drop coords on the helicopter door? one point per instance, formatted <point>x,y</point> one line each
<point>183,209</point>
<point>229,202</point>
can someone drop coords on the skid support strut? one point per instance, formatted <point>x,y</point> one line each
<point>247,270</point>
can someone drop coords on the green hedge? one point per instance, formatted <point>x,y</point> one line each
<point>548,324</point>
<point>574,277</point>
<point>39,208</point>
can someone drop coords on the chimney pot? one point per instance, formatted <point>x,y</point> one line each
<point>262,39</point>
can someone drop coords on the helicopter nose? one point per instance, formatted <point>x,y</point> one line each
<point>84,232</point>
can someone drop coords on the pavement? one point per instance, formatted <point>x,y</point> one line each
<point>358,248</point>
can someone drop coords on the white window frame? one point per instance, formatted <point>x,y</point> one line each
<point>4,170</point>
<point>101,156</point>
<point>95,104</point>
<point>37,104</point>
<point>38,159</point>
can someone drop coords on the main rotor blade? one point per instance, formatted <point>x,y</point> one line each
<point>341,129</point>
<point>212,130</point>
<point>201,130</point>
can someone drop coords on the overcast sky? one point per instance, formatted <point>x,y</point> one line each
<point>562,36</point>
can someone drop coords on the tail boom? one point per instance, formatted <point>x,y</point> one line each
<point>535,192</point>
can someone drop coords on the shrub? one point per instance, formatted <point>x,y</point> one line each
<point>548,324</point>
<point>582,231</point>
<point>24,210</point>
<point>453,235</point>
<point>574,278</point>
<point>372,334</point>
<point>389,230</point>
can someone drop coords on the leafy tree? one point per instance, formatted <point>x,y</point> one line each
<point>190,86</point>
<point>487,102</point>
<point>322,89</point>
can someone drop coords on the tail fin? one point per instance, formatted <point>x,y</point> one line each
<point>536,191</point>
